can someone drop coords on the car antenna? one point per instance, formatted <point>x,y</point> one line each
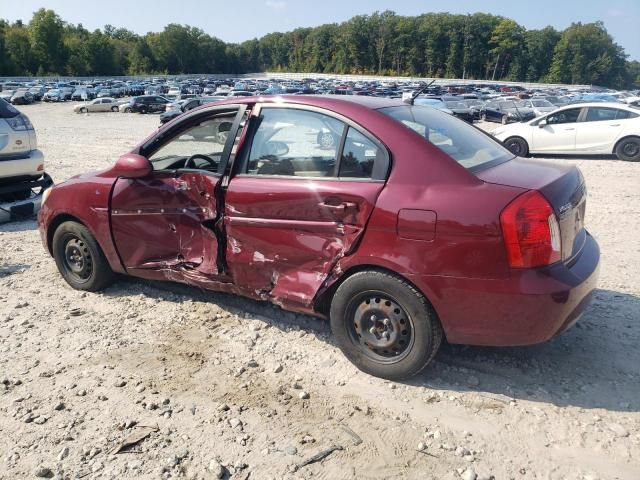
<point>411,100</point>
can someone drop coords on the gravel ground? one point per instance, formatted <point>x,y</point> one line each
<point>222,387</point>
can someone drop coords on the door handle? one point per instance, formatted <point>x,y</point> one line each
<point>615,125</point>
<point>569,129</point>
<point>341,208</point>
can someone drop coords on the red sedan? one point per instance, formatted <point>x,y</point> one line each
<point>399,223</point>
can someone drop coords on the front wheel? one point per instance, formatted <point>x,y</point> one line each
<point>80,259</point>
<point>629,149</point>
<point>114,109</point>
<point>518,146</point>
<point>384,326</point>
<point>83,110</point>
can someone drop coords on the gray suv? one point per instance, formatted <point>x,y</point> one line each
<point>22,176</point>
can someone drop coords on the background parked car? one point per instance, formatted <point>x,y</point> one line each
<point>540,106</point>
<point>145,104</point>
<point>591,128</point>
<point>22,97</point>
<point>460,110</point>
<point>505,111</point>
<point>98,105</point>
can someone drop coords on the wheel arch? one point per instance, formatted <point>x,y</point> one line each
<point>626,137</point>
<point>59,220</point>
<point>322,303</point>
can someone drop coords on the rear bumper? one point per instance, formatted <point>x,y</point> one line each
<point>31,165</point>
<point>27,207</point>
<point>531,306</point>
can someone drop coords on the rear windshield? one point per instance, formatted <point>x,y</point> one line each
<point>7,110</point>
<point>467,145</point>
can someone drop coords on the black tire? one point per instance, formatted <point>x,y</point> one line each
<point>518,146</point>
<point>80,259</point>
<point>384,326</point>
<point>114,109</point>
<point>142,110</point>
<point>628,149</point>
<point>504,120</point>
<point>83,110</point>
<point>127,110</point>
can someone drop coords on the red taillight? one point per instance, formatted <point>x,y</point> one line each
<point>531,232</point>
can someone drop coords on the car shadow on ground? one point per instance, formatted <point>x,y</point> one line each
<point>594,365</point>
<point>19,225</point>
<point>10,269</point>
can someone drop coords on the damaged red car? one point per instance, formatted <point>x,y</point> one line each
<point>400,224</point>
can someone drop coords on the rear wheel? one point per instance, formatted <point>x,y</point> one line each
<point>143,110</point>
<point>628,149</point>
<point>127,110</point>
<point>80,259</point>
<point>83,110</point>
<point>384,326</point>
<point>114,109</point>
<point>518,146</point>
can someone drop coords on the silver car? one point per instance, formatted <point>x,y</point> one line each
<point>22,176</point>
<point>540,106</point>
<point>98,105</point>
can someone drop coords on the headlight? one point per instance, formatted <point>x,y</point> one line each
<point>45,195</point>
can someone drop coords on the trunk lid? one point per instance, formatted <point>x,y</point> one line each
<point>562,185</point>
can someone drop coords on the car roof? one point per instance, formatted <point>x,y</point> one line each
<point>322,101</point>
<point>601,104</point>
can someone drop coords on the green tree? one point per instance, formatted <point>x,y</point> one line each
<point>47,41</point>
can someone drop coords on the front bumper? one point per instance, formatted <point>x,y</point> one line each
<point>530,307</point>
<point>27,207</point>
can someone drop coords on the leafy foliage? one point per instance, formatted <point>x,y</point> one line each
<point>478,46</point>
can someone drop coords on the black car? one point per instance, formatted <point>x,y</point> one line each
<point>146,104</point>
<point>505,111</point>
<point>22,97</point>
<point>186,105</point>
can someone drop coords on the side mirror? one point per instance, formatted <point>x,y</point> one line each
<point>542,123</point>
<point>131,165</point>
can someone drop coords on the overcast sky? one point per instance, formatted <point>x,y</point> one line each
<point>235,21</point>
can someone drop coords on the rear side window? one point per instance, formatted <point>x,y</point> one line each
<point>293,142</point>
<point>7,110</point>
<point>599,114</point>
<point>358,156</point>
<point>467,145</point>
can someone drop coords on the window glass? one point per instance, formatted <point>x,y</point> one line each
<point>600,114</point>
<point>295,143</point>
<point>624,114</point>
<point>462,142</point>
<point>358,156</point>
<point>565,116</point>
<point>206,140</point>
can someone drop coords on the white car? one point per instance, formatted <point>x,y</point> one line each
<point>585,128</point>
<point>105,104</point>
<point>22,176</point>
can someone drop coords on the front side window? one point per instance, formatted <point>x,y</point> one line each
<point>564,116</point>
<point>462,142</point>
<point>295,142</point>
<point>200,146</point>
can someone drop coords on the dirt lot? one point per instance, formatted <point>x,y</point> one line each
<point>223,379</point>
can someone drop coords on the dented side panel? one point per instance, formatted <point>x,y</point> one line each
<point>166,221</point>
<point>285,235</point>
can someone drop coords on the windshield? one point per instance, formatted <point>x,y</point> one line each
<point>507,104</point>
<point>462,142</point>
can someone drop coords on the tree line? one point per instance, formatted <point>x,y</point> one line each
<point>442,45</point>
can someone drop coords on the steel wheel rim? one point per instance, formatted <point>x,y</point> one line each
<point>631,149</point>
<point>380,327</point>
<point>77,259</point>
<point>515,147</point>
<point>326,140</point>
